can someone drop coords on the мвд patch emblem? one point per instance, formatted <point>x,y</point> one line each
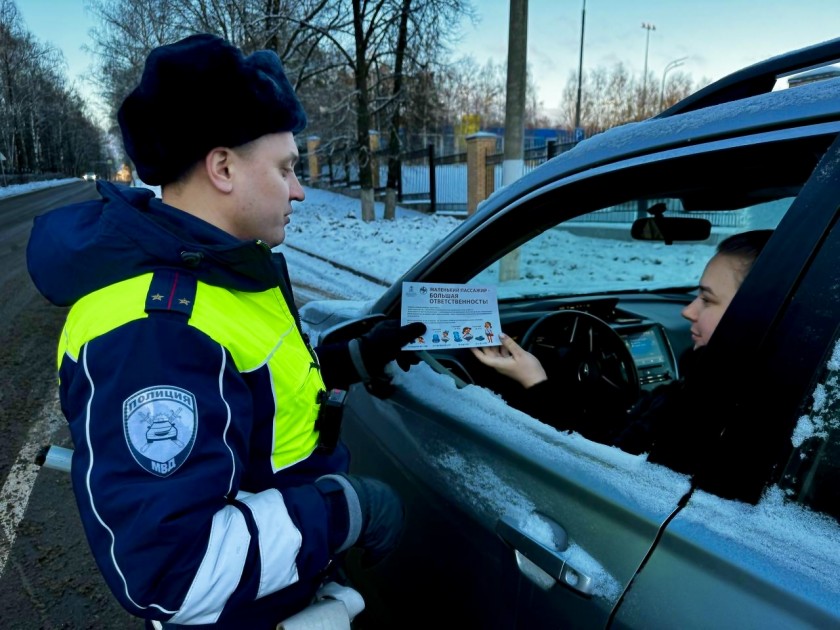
<point>160,424</point>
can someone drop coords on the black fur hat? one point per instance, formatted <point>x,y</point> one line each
<point>200,93</point>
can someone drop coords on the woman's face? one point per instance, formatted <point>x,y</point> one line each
<point>720,281</point>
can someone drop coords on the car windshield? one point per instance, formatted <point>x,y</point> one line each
<point>594,253</point>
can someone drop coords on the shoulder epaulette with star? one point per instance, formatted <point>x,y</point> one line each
<point>172,291</point>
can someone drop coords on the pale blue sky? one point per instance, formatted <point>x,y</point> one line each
<point>716,36</point>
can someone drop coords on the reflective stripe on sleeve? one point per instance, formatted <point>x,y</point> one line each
<point>220,570</point>
<point>279,541</point>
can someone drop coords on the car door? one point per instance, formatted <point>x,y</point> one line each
<point>510,523</point>
<point>774,563</point>
<point>513,524</point>
<point>508,520</point>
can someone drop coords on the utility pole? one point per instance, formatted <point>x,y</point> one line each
<point>648,27</point>
<point>580,67</point>
<point>514,165</point>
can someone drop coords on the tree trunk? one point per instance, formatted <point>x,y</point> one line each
<point>363,115</point>
<point>390,203</point>
<point>394,166</point>
<point>368,209</point>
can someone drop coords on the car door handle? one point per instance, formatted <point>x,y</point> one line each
<point>544,557</point>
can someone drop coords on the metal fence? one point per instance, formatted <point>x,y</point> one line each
<point>438,184</point>
<point>632,210</point>
<point>434,183</point>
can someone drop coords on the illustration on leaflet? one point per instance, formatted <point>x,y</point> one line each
<point>451,312</point>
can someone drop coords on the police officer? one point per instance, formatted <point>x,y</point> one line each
<point>192,396</point>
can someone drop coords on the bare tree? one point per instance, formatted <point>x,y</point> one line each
<point>612,96</point>
<point>534,118</point>
<point>468,89</point>
<point>351,61</point>
<point>474,96</point>
<point>394,171</point>
<point>425,29</point>
<point>679,84</point>
<point>128,30</point>
<point>425,109</point>
<point>44,126</point>
<point>383,37</point>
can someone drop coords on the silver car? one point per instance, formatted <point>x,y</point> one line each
<point>513,524</point>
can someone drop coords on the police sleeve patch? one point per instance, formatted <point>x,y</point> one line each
<point>160,425</point>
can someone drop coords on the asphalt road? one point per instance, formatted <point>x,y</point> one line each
<point>47,576</point>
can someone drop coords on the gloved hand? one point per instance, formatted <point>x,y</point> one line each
<point>375,514</point>
<point>384,342</point>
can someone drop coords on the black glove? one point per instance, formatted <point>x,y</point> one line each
<point>375,514</point>
<point>384,342</point>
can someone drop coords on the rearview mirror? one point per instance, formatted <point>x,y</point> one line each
<point>671,229</point>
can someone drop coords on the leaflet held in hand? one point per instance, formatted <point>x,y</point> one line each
<point>456,315</point>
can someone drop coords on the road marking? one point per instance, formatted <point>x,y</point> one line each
<point>14,496</point>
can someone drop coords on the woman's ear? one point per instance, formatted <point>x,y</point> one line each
<point>218,164</point>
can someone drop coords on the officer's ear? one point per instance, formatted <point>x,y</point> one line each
<point>218,165</point>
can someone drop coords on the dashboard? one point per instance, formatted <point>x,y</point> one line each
<point>652,354</point>
<point>648,325</point>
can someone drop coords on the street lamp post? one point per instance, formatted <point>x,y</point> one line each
<point>648,27</point>
<point>671,65</point>
<point>580,67</point>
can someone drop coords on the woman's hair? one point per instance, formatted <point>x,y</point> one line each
<point>745,246</point>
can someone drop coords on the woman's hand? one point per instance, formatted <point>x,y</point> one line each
<point>513,361</point>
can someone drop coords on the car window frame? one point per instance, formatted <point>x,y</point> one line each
<point>729,348</point>
<point>498,226</point>
<point>757,366</point>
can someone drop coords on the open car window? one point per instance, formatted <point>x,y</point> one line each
<point>595,253</point>
<point>576,248</point>
<point>540,522</point>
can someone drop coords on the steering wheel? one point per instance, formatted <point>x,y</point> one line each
<point>587,360</point>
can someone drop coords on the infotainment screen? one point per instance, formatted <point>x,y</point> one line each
<point>645,348</point>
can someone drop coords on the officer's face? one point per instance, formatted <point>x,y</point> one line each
<point>265,185</point>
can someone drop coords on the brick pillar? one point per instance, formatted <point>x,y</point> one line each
<point>479,176</point>
<point>312,144</point>
<point>374,160</point>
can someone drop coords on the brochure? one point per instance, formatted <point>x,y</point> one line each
<point>456,315</point>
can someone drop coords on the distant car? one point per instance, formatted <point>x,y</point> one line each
<point>89,177</point>
<point>123,175</point>
<point>512,524</point>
